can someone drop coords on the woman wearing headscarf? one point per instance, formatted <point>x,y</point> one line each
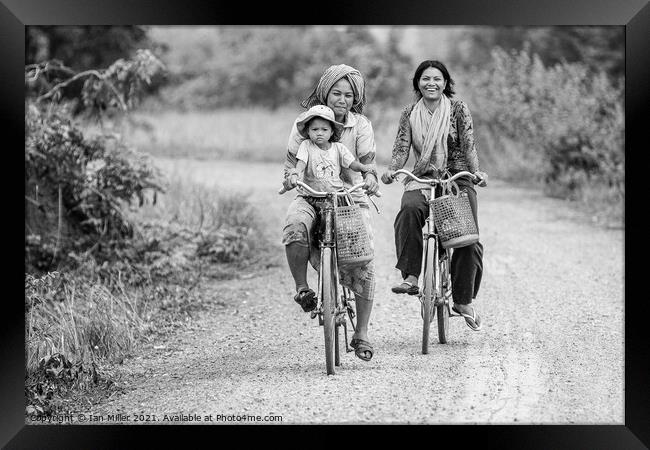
<point>342,88</point>
<point>439,128</point>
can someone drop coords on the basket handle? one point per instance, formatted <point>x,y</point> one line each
<point>346,200</point>
<point>450,187</point>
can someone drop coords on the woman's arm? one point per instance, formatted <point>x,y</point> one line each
<point>366,151</point>
<point>295,139</point>
<point>466,136</point>
<point>402,145</point>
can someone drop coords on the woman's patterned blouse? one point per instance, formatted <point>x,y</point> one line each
<point>461,150</point>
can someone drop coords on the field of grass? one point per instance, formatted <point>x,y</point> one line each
<point>260,135</point>
<point>253,134</point>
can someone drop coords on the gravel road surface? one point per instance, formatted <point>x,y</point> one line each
<point>551,350</point>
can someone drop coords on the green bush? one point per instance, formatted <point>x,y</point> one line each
<point>573,117</point>
<point>203,226</point>
<point>126,268</point>
<point>76,187</point>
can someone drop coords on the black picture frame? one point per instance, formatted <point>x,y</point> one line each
<point>634,15</point>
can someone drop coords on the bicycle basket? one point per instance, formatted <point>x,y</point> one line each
<point>454,220</point>
<point>352,240</point>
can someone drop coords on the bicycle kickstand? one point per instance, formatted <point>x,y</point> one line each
<point>348,349</point>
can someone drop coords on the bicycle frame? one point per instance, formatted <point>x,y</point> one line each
<point>333,307</point>
<point>436,292</point>
<point>430,235</point>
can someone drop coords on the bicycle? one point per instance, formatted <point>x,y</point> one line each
<point>436,291</point>
<point>335,302</point>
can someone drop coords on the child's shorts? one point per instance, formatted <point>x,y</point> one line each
<point>299,227</point>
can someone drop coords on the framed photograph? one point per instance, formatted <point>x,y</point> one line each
<point>562,367</point>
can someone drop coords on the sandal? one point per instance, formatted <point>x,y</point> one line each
<point>406,288</point>
<point>362,347</point>
<point>306,298</point>
<point>473,321</point>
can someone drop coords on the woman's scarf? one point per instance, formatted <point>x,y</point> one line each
<point>331,75</point>
<point>429,133</point>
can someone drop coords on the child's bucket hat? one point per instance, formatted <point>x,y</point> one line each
<point>322,111</point>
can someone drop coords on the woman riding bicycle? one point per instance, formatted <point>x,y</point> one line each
<point>440,130</point>
<point>342,88</point>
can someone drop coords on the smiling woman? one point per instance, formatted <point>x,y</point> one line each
<point>431,83</point>
<point>439,128</point>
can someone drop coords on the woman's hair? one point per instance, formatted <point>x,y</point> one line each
<point>449,87</point>
<point>336,131</point>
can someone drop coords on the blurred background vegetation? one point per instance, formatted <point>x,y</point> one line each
<point>547,101</point>
<point>105,230</point>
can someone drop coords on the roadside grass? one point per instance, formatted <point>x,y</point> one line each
<point>242,134</point>
<point>82,323</point>
<point>75,329</point>
<point>218,225</point>
<point>86,321</point>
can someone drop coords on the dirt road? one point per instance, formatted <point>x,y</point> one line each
<point>551,350</point>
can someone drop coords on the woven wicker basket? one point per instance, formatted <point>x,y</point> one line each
<point>454,220</point>
<point>352,240</point>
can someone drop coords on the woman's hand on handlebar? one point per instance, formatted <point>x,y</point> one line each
<point>290,181</point>
<point>371,185</point>
<point>388,176</point>
<point>482,178</point>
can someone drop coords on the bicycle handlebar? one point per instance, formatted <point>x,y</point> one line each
<point>323,194</point>
<point>437,181</point>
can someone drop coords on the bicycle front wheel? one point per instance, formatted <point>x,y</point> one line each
<point>443,304</point>
<point>328,305</point>
<point>428,292</point>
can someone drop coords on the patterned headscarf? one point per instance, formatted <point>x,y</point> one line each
<point>333,74</point>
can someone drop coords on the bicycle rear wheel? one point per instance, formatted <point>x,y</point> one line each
<point>428,292</point>
<point>443,304</point>
<point>328,293</point>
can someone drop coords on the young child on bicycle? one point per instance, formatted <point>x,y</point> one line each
<point>320,158</point>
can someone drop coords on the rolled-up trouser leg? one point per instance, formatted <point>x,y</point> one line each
<point>296,237</point>
<point>467,262</point>
<point>408,232</point>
